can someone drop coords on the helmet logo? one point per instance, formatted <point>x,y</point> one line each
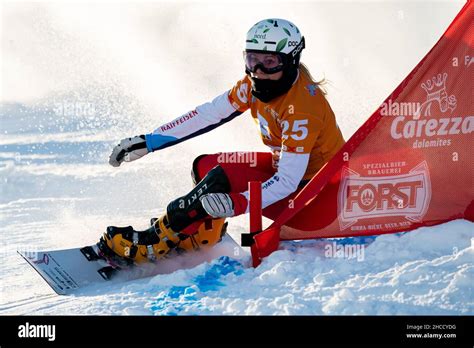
<point>297,49</point>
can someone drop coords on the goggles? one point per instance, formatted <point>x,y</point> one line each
<point>269,63</point>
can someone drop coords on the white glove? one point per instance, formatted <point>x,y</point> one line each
<point>218,205</point>
<point>129,149</point>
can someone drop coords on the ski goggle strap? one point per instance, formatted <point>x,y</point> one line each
<point>298,48</point>
<point>269,63</point>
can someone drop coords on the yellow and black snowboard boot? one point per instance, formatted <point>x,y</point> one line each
<point>125,246</point>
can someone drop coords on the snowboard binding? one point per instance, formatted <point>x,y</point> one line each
<point>124,246</point>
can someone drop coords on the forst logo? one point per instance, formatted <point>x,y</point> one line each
<point>407,195</point>
<point>392,196</point>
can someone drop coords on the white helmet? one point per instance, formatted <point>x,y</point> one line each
<point>273,45</point>
<point>275,35</point>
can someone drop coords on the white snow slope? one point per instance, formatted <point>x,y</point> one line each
<point>71,88</point>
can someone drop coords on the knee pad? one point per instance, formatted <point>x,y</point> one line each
<point>188,209</point>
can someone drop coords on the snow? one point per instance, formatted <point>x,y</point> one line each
<point>427,271</point>
<point>57,190</point>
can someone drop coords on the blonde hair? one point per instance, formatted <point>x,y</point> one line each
<point>321,83</point>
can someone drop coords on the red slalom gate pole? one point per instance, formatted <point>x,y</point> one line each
<point>261,243</point>
<point>255,208</point>
<point>255,216</point>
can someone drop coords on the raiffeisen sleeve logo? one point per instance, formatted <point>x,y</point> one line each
<point>432,124</point>
<point>406,195</point>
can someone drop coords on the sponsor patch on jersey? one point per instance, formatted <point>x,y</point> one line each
<point>312,88</point>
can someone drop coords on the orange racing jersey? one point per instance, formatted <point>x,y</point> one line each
<point>300,124</point>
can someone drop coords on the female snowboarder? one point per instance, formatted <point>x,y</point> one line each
<point>295,122</point>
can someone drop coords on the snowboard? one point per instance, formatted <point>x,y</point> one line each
<point>70,270</point>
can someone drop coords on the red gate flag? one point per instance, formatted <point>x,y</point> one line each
<point>409,165</point>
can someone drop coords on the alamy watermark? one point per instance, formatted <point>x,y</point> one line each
<point>12,250</point>
<point>347,251</point>
<point>238,157</point>
<point>75,109</point>
<point>392,108</point>
<point>37,331</point>
<point>83,109</point>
